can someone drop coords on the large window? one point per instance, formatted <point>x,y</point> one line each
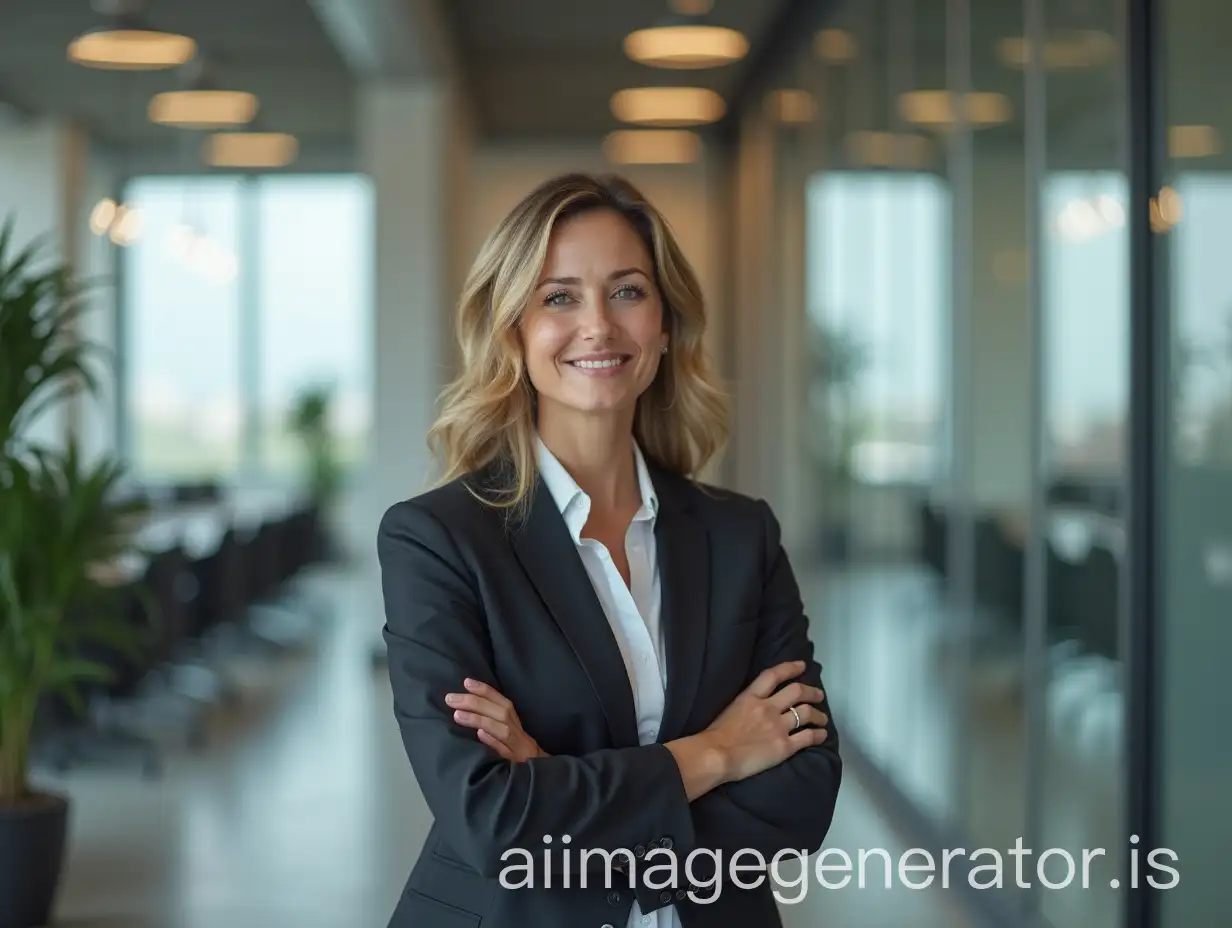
<point>241,295</point>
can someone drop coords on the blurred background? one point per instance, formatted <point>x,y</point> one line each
<point>979,343</point>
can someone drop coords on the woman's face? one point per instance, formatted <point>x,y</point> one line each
<point>593,332</point>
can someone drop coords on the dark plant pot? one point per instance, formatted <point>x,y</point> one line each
<point>32,838</point>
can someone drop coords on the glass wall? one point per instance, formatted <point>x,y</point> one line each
<point>965,418</point>
<point>1191,214</point>
<point>241,296</point>
<point>1085,313</point>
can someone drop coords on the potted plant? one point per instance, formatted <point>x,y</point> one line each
<point>309,421</point>
<point>58,525</point>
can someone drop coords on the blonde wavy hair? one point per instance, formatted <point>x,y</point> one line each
<point>487,415</point>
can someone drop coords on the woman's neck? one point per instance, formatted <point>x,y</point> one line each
<point>598,453</point>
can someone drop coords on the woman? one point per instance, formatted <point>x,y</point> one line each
<point>601,669</point>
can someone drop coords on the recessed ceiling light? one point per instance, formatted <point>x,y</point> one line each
<point>652,146</point>
<point>250,149</point>
<point>668,106</point>
<point>131,50</point>
<point>888,149</point>
<point>203,109</point>
<point>1067,51</point>
<point>792,107</point>
<point>836,46</point>
<point>686,47</point>
<point>935,109</point>
<point>1193,141</point>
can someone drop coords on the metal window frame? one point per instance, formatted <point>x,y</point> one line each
<point>1142,578</point>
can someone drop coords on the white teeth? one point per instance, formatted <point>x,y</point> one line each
<point>598,365</point>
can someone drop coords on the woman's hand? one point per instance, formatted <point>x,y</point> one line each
<point>495,720</point>
<point>759,730</point>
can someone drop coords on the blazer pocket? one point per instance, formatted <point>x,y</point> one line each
<point>426,912</point>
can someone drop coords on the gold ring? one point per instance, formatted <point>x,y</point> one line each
<point>797,715</point>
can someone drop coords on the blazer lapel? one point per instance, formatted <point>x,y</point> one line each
<point>684,574</point>
<point>546,551</point>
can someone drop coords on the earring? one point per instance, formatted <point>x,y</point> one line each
<point>663,350</point>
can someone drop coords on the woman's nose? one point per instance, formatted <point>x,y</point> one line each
<point>596,319</point>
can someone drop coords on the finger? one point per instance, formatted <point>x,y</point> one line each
<point>772,678</point>
<point>806,738</point>
<point>497,745</point>
<point>479,688</point>
<point>479,704</point>
<point>469,719</point>
<point>477,720</point>
<point>794,694</point>
<point>808,716</point>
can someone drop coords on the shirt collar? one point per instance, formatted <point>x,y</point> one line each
<point>572,500</point>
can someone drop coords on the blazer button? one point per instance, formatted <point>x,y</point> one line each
<point>639,851</point>
<point>607,925</point>
<point>665,843</point>
<point>653,844</point>
<point>613,898</point>
<point>665,896</point>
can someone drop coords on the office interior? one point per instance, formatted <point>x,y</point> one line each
<point>963,265</point>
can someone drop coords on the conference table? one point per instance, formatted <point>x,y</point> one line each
<point>197,528</point>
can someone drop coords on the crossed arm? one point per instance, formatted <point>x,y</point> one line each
<point>487,800</point>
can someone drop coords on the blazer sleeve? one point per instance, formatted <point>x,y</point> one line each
<point>791,805</point>
<point>436,634</point>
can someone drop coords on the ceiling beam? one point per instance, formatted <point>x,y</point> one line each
<point>783,40</point>
<point>399,40</point>
<point>377,38</point>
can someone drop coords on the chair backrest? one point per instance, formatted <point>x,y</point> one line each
<point>167,581</point>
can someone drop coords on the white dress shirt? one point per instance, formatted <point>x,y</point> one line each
<point>632,611</point>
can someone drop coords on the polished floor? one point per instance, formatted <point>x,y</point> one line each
<point>302,811</point>
<point>943,713</point>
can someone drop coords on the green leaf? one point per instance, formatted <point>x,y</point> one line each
<point>57,515</point>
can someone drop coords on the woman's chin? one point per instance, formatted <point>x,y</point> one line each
<point>598,403</point>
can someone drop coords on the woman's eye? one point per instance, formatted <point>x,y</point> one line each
<point>630,292</point>
<point>559,298</point>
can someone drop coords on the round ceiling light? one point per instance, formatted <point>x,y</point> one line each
<point>1066,51</point>
<point>835,46</point>
<point>668,106</point>
<point>936,109</point>
<point>1193,141</point>
<point>250,149</point>
<point>203,109</point>
<point>686,47</point>
<point>792,107</point>
<point>131,50</point>
<point>652,146</point>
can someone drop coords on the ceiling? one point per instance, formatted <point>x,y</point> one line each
<point>532,67</point>
<point>276,49</point>
<point>550,67</point>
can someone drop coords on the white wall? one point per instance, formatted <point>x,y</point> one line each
<point>30,180</point>
<point>42,174</point>
<point>96,417</point>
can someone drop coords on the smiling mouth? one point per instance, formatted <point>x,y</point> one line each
<point>600,365</point>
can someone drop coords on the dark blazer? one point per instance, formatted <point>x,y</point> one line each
<point>469,593</point>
